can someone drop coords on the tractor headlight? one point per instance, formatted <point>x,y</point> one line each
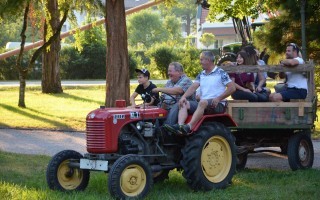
<point>140,125</point>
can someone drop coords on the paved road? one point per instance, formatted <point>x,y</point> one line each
<point>52,142</point>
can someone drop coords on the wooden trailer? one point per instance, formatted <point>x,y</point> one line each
<point>287,125</point>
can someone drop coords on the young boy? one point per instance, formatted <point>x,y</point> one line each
<point>144,88</point>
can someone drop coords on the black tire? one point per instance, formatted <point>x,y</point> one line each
<point>300,151</point>
<point>60,176</point>
<point>209,158</point>
<point>241,161</point>
<point>226,59</point>
<point>130,177</point>
<point>161,176</point>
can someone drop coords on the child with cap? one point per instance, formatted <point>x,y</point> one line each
<point>144,88</point>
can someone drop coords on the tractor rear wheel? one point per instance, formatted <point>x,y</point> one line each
<point>209,158</point>
<point>60,176</point>
<point>130,177</point>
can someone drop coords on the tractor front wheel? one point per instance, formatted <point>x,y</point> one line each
<point>130,177</point>
<point>61,176</point>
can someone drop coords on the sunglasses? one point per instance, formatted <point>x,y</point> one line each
<point>294,46</point>
<point>144,70</point>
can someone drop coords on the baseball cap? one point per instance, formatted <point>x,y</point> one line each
<point>143,71</point>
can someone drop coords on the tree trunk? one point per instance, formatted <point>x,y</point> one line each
<point>22,71</point>
<point>117,69</point>
<point>51,82</point>
<point>22,88</point>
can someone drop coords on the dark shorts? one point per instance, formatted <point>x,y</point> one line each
<point>293,93</point>
<point>220,108</point>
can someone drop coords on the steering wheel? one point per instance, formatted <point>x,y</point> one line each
<point>167,101</point>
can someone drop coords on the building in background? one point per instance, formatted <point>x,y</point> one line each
<point>224,32</point>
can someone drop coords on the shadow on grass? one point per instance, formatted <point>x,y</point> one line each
<point>3,124</point>
<point>35,117</point>
<point>76,98</point>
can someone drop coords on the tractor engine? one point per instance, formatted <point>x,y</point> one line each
<point>133,128</point>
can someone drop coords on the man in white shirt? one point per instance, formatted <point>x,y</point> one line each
<point>297,85</point>
<point>215,86</point>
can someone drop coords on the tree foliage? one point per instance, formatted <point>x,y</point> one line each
<point>287,28</point>
<point>221,10</point>
<point>8,9</point>
<point>95,35</point>
<point>173,26</point>
<point>146,28</point>
<point>207,39</point>
<point>185,10</point>
<point>284,28</point>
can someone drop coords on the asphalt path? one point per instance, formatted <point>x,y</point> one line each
<point>42,142</point>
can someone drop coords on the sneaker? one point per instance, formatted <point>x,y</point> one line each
<point>185,129</point>
<point>175,129</point>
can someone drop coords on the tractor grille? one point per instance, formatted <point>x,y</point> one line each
<point>96,137</point>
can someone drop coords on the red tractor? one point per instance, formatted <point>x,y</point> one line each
<point>132,147</point>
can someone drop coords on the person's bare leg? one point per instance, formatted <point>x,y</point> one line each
<point>183,113</point>
<point>198,113</point>
<point>275,97</point>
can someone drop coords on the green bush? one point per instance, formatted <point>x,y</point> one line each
<point>90,63</point>
<point>189,58</point>
<point>162,56</point>
<point>132,64</point>
<point>8,70</point>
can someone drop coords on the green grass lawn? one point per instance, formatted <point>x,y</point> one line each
<point>23,177</point>
<point>66,111</point>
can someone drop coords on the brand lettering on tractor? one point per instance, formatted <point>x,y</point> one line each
<point>118,116</point>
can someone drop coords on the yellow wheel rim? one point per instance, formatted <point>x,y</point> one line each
<point>216,159</point>
<point>69,178</point>
<point>133,180</point>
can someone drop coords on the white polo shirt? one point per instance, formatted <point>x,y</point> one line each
<point>213,84</point>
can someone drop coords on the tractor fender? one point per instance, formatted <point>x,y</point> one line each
<point>223,118</point>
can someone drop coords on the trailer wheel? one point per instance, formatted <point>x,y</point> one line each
<point>300,151</point>
<point>60,176</point>
<point>241,161</point>
<point>209,158</point>
<point>130,177</point>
